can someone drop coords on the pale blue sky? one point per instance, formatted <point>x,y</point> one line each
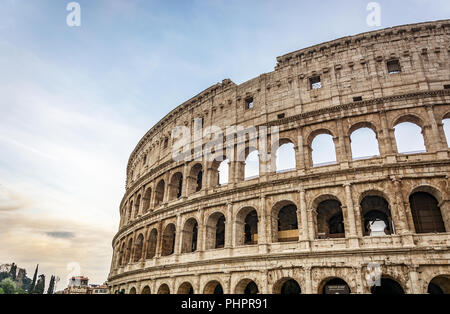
<point>75,101</point>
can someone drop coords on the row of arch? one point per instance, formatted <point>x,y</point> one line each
<point>321,147</point>
<point>334,285</point>
<point>329,221</point>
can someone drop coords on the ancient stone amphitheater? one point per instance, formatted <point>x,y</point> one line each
<point>378,224</point>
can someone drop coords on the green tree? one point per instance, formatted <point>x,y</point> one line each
<point>40,285</point>
<point>8,286</point>
<point>33,283</point>
<point>13,271</point>
<point>51,285</point>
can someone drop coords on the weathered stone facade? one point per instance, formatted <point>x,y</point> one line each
<point>153,247</point>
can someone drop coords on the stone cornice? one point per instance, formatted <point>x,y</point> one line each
<point>386,34</point>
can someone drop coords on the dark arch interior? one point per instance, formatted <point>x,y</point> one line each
<point>251,227</point>
<point>251,288</point>
<point>186,288</point>
<point>330,221</point>
<point>426,213</point>
<point>287,220</point>
<point>220,232</point>
<point>375,214</point>
<point>168,241</point>
<point>336,286</point>
<point>439,285</point>
<point>388,286</point>
<point>218,289</point>
<point>434,289</point>
<point>199,181</point>
<point>164,289</point>
<point>290,287</point>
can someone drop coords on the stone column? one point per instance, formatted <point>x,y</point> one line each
<point>302,215</point>
<point>166,188</point>
<point>201,233</point>
<point>178,233</point>
<point>262,224</point>
<point>312,213</point>
<point>434,135</point>
<point>264,284</point>
<point>308,280</point>
<point>266,167</point>
<point>414,284</point>
<point>402,225</point>
<point>205,181</point>
<point>229,226</point>
<point>145,244</point>
<point>342,148</point>
<point>184,188</point>
<point>359,281</point>
<point>159,240</point>
<point>353,240</point>
<point>387,143</point>
<point>300,162</point>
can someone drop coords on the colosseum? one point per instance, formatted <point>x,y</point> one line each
<point>367,223</point>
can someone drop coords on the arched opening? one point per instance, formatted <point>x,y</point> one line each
<point>195,179</point>
<point>159,192</point>
<point>246,286</point>
<point>133,290</point>
<point>323,150</point>
<point>335,286</point>
<point>376,216</point>
<point>130,211</point>
<point>387,286</point>
<point>146,290</point>
<point>129,247</point>
<point>251,170</point>
<point>213,287</point>
<point>439,285</point>
<point>426,213</point>
<point>287,224</point>
<point>215,231</point>
<point>287,286</point>
<point>330,221</point>
<point>364,143</point>
<point>285,158</point>
<point>168,241</point>
<point>164,289</point>
<point>152,240</point>
<point>247,226</point>
<point>185,288</point>
<point>409,138</point>
<point>121,255</point>
<point>138,204</point>
<point>147,197</point>
<point>190,233</point>
<point>138,248</point>
<point>223,170</point>
<point>176,186</point>
<point>446,126</point>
